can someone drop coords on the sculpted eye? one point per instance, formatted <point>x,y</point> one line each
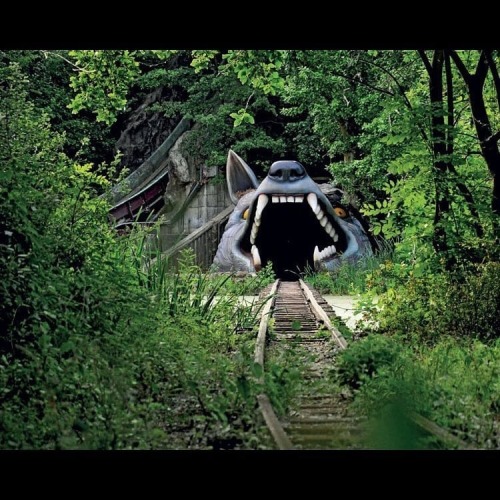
<point>245,214</point>
<point>340,212</point>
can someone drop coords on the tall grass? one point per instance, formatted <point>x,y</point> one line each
<point>208,337</point>
<point>350,277</point>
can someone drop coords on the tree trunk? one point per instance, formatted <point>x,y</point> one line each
<point>488,143</point>
<point>487,140</point>
<point>450,130</point>
<point>439,150</point>
<point>494,71</point>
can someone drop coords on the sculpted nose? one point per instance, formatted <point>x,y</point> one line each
<point>286,171</point>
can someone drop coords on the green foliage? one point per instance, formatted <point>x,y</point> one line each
<point>363,359</point>
<point>350,277</point>
<point>48,76</point>
<point>259,68</point>
<point>242,116</point>
<point>100,347</point>
<point>250,284</point>
<point>331,87</point>
<point>63,293</point>
<point>284,378</point>
<point>202,59</point>
<point>102,81</point>
<point>452,383</point>
<point>463,387</point>
<point>465,305</point>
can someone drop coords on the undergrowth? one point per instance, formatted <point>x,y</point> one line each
<point>435,352</point>
<point>102,347</point>
<point>350,277</point>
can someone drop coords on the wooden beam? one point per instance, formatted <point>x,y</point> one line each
<point>200,231</point>
<point>260,343</point>
<point>439,432</point>
<point>322,316</point>
<point>273,424</point>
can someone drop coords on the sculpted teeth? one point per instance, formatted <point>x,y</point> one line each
<point>317,255</point>
<point>312,199</point>
<point>324,254</point>
<point>327,252</point>
<point>253,234</point>
<point>257,263</point>
<point>279,198</point>
<point>261,203</point>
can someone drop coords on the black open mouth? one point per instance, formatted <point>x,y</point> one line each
<point>294,232</point>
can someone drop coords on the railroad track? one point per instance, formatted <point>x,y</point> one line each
<point>319,417</point>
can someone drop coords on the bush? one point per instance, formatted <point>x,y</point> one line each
<point>463,305</point>
<point>363,359</point>
<point>97,349</point>
<point>453,383</point>
<point>473,306</point>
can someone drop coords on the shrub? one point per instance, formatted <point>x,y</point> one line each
<point>97,350</point>
<point>364,358</point>
<point>453,383</point>
<point>462,305</point>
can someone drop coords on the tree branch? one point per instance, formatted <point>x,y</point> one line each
<point>459,112</point>
<point>425,60</point>
<point>481,68</point>
<point>493,138</point>
<point>377,89</point>
<point>494,72</point>
<point>461,66</point>
<point>402,93</point>
<point>46,53</point>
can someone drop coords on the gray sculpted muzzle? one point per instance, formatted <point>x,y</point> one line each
<point>286,220</point>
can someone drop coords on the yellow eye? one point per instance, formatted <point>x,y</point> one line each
<point>340,212</point>
<point>245,214</point>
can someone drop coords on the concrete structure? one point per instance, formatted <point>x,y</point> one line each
<point>205,200</point>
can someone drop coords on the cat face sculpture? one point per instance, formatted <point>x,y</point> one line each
<point>289,221</point>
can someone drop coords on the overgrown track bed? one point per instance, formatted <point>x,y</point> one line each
<point>320,417</point>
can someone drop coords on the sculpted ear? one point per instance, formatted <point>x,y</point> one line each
<point>239,176</point>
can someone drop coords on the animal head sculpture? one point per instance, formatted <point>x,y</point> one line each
<point>287,220</point>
